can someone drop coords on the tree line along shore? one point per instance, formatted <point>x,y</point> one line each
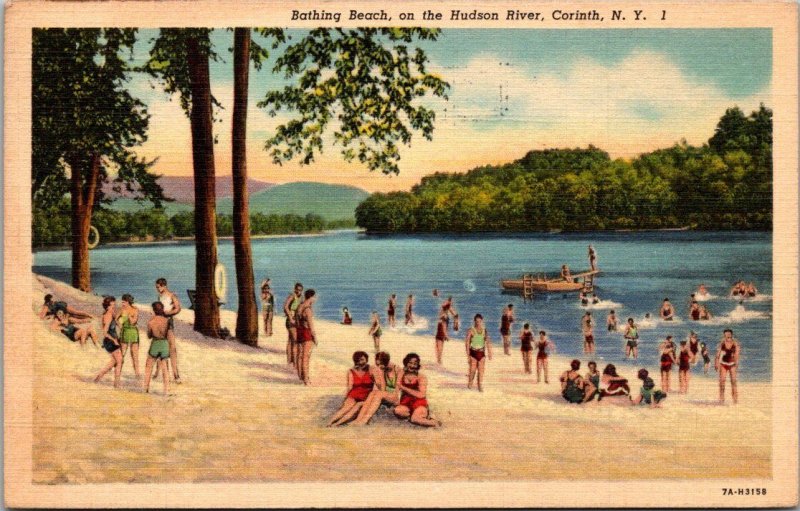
<point>726,184</point>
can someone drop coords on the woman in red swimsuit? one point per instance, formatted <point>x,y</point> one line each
<point>667,352</point>
<point>441,335</point>
<point>684,363</point>
<point>413,387</point>
<point>542,346</point>
<point>361,379</point>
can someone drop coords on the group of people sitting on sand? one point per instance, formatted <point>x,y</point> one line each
<point>368,387</point>
<point>120,333</point>
<point>594,385</point>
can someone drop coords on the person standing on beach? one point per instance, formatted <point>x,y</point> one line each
<point>727,362</point>
<point>611,321</point>
<point>290,306</point>
<point>592,259</point>
<point>413,387</point>
<point>157,329</point>
<point>631,340</point>
<point>127,318</point>
<point>543,348</point>
<point>172,306</point>
<point>478,347</point>
<point>110,341</point>
<point>441,336</point>
<point>306,334</point>
<point>390,310</point>
<point>505,327</point>
<point>409,316</point>
<point>666,351</point>
<point>706,357</point>
<point>267,307</point>
<point>375,331</point>
<point>684,364</point>
<point>587,326</point>
<point>694,346</point>
<point>526,347</point>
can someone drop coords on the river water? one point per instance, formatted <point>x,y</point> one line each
<point>357,271</point>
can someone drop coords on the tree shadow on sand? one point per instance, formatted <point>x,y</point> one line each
<point>265,368</point>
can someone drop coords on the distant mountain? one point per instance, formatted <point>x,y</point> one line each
<point>332,202</point>
<point>181,188</point>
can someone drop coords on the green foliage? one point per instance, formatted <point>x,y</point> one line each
<point>724,185</point>
<point>80,108</point>
<point>51,227</point>
<point>332,202</point>
<point>362,81</point>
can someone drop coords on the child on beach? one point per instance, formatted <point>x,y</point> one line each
<point>375,331</point>
<point>388,393</point>
<point>66,324</point>
<point>127,318</point>
<point>543,348</point>
<point>706,357</point>
<point>110,341</point>
<point>684,363</point>
<point>587,326</point>
<point>526,347</point>
<point>647,394</point>
<point>611,321</point>
<point>346,318</point>
<point>478,347</point>
<point>157,329</point>
<point>361,379</point>
<point>413,387</point>
<point>631,340</point>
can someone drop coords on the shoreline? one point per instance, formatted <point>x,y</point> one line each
<point>252,392</point>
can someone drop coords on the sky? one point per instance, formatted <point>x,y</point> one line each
<point>624,91</point>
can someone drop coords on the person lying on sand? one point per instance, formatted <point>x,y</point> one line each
<point>388,394</point>
<point>361,380</point>
<point>50,306</point>
<point>413,387</point>
<point>573,387</point>
<point>66,324</point>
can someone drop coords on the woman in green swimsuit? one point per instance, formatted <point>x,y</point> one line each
<point>387,392</point>
<point>574,388</point>
<point>478,347</point>
<point>127,318</point>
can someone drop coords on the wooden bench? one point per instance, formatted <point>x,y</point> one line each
<point>193,294</point>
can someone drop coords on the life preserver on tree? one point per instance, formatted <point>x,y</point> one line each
<point>93,244</point>
<point>220,281</point>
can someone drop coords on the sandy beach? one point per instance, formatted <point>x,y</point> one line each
<point>241,415</point>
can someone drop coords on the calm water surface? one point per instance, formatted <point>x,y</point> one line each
<point>349,269</point>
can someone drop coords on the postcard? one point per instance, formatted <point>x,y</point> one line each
<point>401,254</point>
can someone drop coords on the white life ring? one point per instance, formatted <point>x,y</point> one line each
<point>93,244</point>
<point>220,281</point>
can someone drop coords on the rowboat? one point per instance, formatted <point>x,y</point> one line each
<point>529,284</point>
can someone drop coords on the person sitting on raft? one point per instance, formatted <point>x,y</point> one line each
<point>361,379</point>
<point>612,384</point>
<point>50,306</point>
<point>647,394</point>
<point>573,387</point>
<point>565,273</point>
<point>388,394</point>
<point>346,319</point>
<point>413,387</point>
<point>64,323</point>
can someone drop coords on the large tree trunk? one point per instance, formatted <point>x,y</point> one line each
<point>83,184</point>
<point>247,318</point>
<point>206,307</point>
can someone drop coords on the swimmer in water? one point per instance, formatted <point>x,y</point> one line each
<point>409,310</point>
<point>587,327</point>
<point>694,311</point>
<point>702,291</point>
<point>611,321</point>
<point>705,314</point>
<point>595,299</point>
<point>667,312</point>
<point>347,319</point>
<point>390,310</point>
